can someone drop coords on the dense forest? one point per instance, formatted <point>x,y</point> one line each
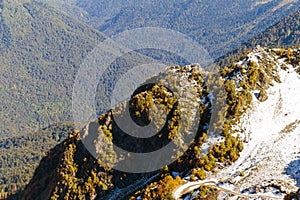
<point>40,53</point>
<point>40,58</point>
<point>21,154</point>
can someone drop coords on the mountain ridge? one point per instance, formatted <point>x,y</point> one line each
<point>251,78</point>
<point>269,164</point>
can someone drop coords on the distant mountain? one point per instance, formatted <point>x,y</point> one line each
<point>220,26</point>
<point>285,33</point>
<point>41,50</point>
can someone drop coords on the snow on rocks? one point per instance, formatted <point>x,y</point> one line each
<point>269,149</point>
<point>269,165</point>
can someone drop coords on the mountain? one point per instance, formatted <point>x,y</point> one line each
<point>219,26</point>
<point>41,50</point>
<point>234,157</point>
<point>285,33</point>
<point>10,164</point>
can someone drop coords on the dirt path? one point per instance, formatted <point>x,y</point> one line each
<point>191,186</point>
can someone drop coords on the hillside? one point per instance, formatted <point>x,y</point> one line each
<point>251,86</point>
<point>219,26</point>
<point>21,154</point>
<point>41,50</point>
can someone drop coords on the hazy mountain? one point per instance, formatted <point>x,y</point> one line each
<point>42,48</point>
<point>285,33</point>
<point>220,26</point>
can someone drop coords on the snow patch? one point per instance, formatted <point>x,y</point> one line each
<point>268,151</point>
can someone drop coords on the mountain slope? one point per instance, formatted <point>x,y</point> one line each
<point>40,52</point>
<point>74,154</point>
<point>40,70</point>
<point>21,154</point>
<point>268,166</point>
<point>248,82</point>
<point>43,50</point>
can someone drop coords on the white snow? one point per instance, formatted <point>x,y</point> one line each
<point>269,150</point>
<point>270,160</point>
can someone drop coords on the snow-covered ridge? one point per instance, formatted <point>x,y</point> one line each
<point>269,165</point>
<point>270,153</point>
